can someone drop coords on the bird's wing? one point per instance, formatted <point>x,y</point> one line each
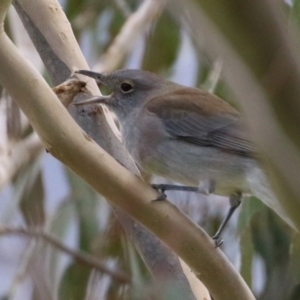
<point>203,119</point>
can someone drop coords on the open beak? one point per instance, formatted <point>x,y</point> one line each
<point>100,78</point>
<point>94,100</point>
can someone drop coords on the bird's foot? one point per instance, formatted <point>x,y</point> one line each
<point>161,192</point>
<point>172,187</point>
<point>161,188</point>
<point>218,241</point>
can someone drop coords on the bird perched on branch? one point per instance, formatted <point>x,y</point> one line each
<point>185,134</point>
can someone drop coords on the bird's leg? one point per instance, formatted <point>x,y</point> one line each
<point>173,187</point>
<point>206,187</point>
<point>161,188</point>
<point>235,201</point>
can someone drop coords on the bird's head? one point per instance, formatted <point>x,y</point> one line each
<point>131,89</point>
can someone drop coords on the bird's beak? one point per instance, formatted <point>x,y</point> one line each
<point>100,78</point>
<point>94,100</point>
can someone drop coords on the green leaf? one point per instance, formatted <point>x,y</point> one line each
<point>58,227</point>
<point>115,26</point>
<point>296,293</point>
<point>32,201</point>
<point>28,194</point>
<point>295,13</point>
<point>250,206</point>
<point>247,251</point>
<point>295,256</point>
<point>85,201</point>
<point>271,238</point>
<point>162,44</point>
<point>74,282</point>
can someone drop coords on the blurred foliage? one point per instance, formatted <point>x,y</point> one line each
<point>94,228</point>
<point>32,199</point>
<point>74,282</point>
<point>167,33</point>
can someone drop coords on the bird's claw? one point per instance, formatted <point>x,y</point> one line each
<point>218,241</point>
<point>161,192</point>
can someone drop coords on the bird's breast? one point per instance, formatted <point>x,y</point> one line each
<point>142,136</point>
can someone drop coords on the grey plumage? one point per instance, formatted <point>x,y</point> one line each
<point>185,134</point>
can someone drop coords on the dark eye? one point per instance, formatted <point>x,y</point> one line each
<point>126,87</point>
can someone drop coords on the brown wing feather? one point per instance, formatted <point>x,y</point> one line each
<point>203,119</point>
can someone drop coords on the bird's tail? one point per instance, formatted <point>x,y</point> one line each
<point>260,188</point>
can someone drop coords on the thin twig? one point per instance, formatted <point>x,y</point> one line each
<point>79,256</point>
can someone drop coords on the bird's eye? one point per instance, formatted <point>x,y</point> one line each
<point>126,87</point>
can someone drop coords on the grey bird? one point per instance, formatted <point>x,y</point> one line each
<point>185,134</point>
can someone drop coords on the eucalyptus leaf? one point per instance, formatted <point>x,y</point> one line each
<point>161,44</point>
<point>249,207</point>
<point>27,192</point>
<point>74,282</point>
<point>85,201</point>
<point>58,226</point>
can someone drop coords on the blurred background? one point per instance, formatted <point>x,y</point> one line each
<point>37,190</point>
